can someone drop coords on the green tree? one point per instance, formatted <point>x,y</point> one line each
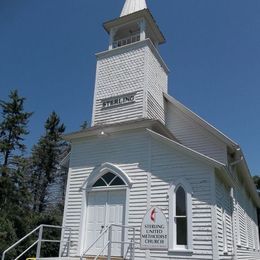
<point>256,180</point>
<point>46,155</point>
<point>13,128</point>
<point>13,188</point>
<point>84,125</point>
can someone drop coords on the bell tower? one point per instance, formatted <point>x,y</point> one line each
<point>131,76</point>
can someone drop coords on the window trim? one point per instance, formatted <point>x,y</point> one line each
<point>110,183</point>
<point>173,247</point>
<point>100,171</point>
<point>86,188</point>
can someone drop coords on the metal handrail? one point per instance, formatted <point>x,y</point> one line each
<point>31,246</point>
<point>37,242</point>
<point>84,253</point>
<point>102,251</point>
<point>110,242</point>
<point>18,242</point>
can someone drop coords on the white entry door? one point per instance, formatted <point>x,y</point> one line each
<point>105,208</point>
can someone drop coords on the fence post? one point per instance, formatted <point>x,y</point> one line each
<point>39,244</point>
<point>109,243</point>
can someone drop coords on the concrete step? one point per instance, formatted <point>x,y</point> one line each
<point>84,258</point>
<point>103,258</point>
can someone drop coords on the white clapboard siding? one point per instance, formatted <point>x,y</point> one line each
<point>129,152</point>
<point>157,83</point>
<point>152,166</point>
<point>136,68</point>
<point>193,135</point>
<point>119,72</point>
<point>248,248</point>
<point>168,165</point>
<point>224,211</point>
<point>138,154</point>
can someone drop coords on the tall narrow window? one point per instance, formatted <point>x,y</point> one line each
<point>181,217</point>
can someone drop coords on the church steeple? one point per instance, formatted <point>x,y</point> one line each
<point>132,6</point>
<point>131,75</point>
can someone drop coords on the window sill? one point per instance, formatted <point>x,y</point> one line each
<point>180,251</point>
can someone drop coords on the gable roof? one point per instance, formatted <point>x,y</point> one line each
<point>186,150</point>
<point>229,142</point>
<point>194,154</point>
<point>241,163</point>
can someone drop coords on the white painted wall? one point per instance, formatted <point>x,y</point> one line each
<point>119,71</point>
<point>128,151</point>
<point>245,233</point>
<point>246,220</point>
<point>135,68</point>
<point>167,166</point>
<point>152,166</point>
<point>224,219</point>
<point>156,84</point>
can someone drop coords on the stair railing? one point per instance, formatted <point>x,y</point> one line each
<point>39,241</point>
<point>99,254</point>
<point>110,242</point>
<point>101,235</point>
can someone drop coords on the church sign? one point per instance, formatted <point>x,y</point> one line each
<point>154,230</point>
<point>118,100</point>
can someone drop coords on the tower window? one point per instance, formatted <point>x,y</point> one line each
<point>127,40</point>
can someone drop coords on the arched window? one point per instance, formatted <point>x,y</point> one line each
<point>109,179</point>
<point>180,216</point>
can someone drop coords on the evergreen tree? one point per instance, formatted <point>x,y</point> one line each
<point>13,128</point>
<point>84,125</point>
<point>256,180</point>
<point>14,195</point>
<point>45,161</point>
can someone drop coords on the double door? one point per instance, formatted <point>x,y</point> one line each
<point>105,208</point>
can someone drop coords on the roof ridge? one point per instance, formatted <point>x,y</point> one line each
<point>132,6</point>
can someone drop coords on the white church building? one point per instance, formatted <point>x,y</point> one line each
<point>150,179</point>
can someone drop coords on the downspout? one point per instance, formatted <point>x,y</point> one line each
<point>234,251</point>
<point>237,162</point>
<point>229,169</point>
<point>234,257</point>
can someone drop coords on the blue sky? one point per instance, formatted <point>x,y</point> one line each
<point>213,51</point>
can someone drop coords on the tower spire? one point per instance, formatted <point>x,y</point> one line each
<point>132,6</point>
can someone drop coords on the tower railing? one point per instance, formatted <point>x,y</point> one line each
<point>40,240</point>
<point>127,40</point>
